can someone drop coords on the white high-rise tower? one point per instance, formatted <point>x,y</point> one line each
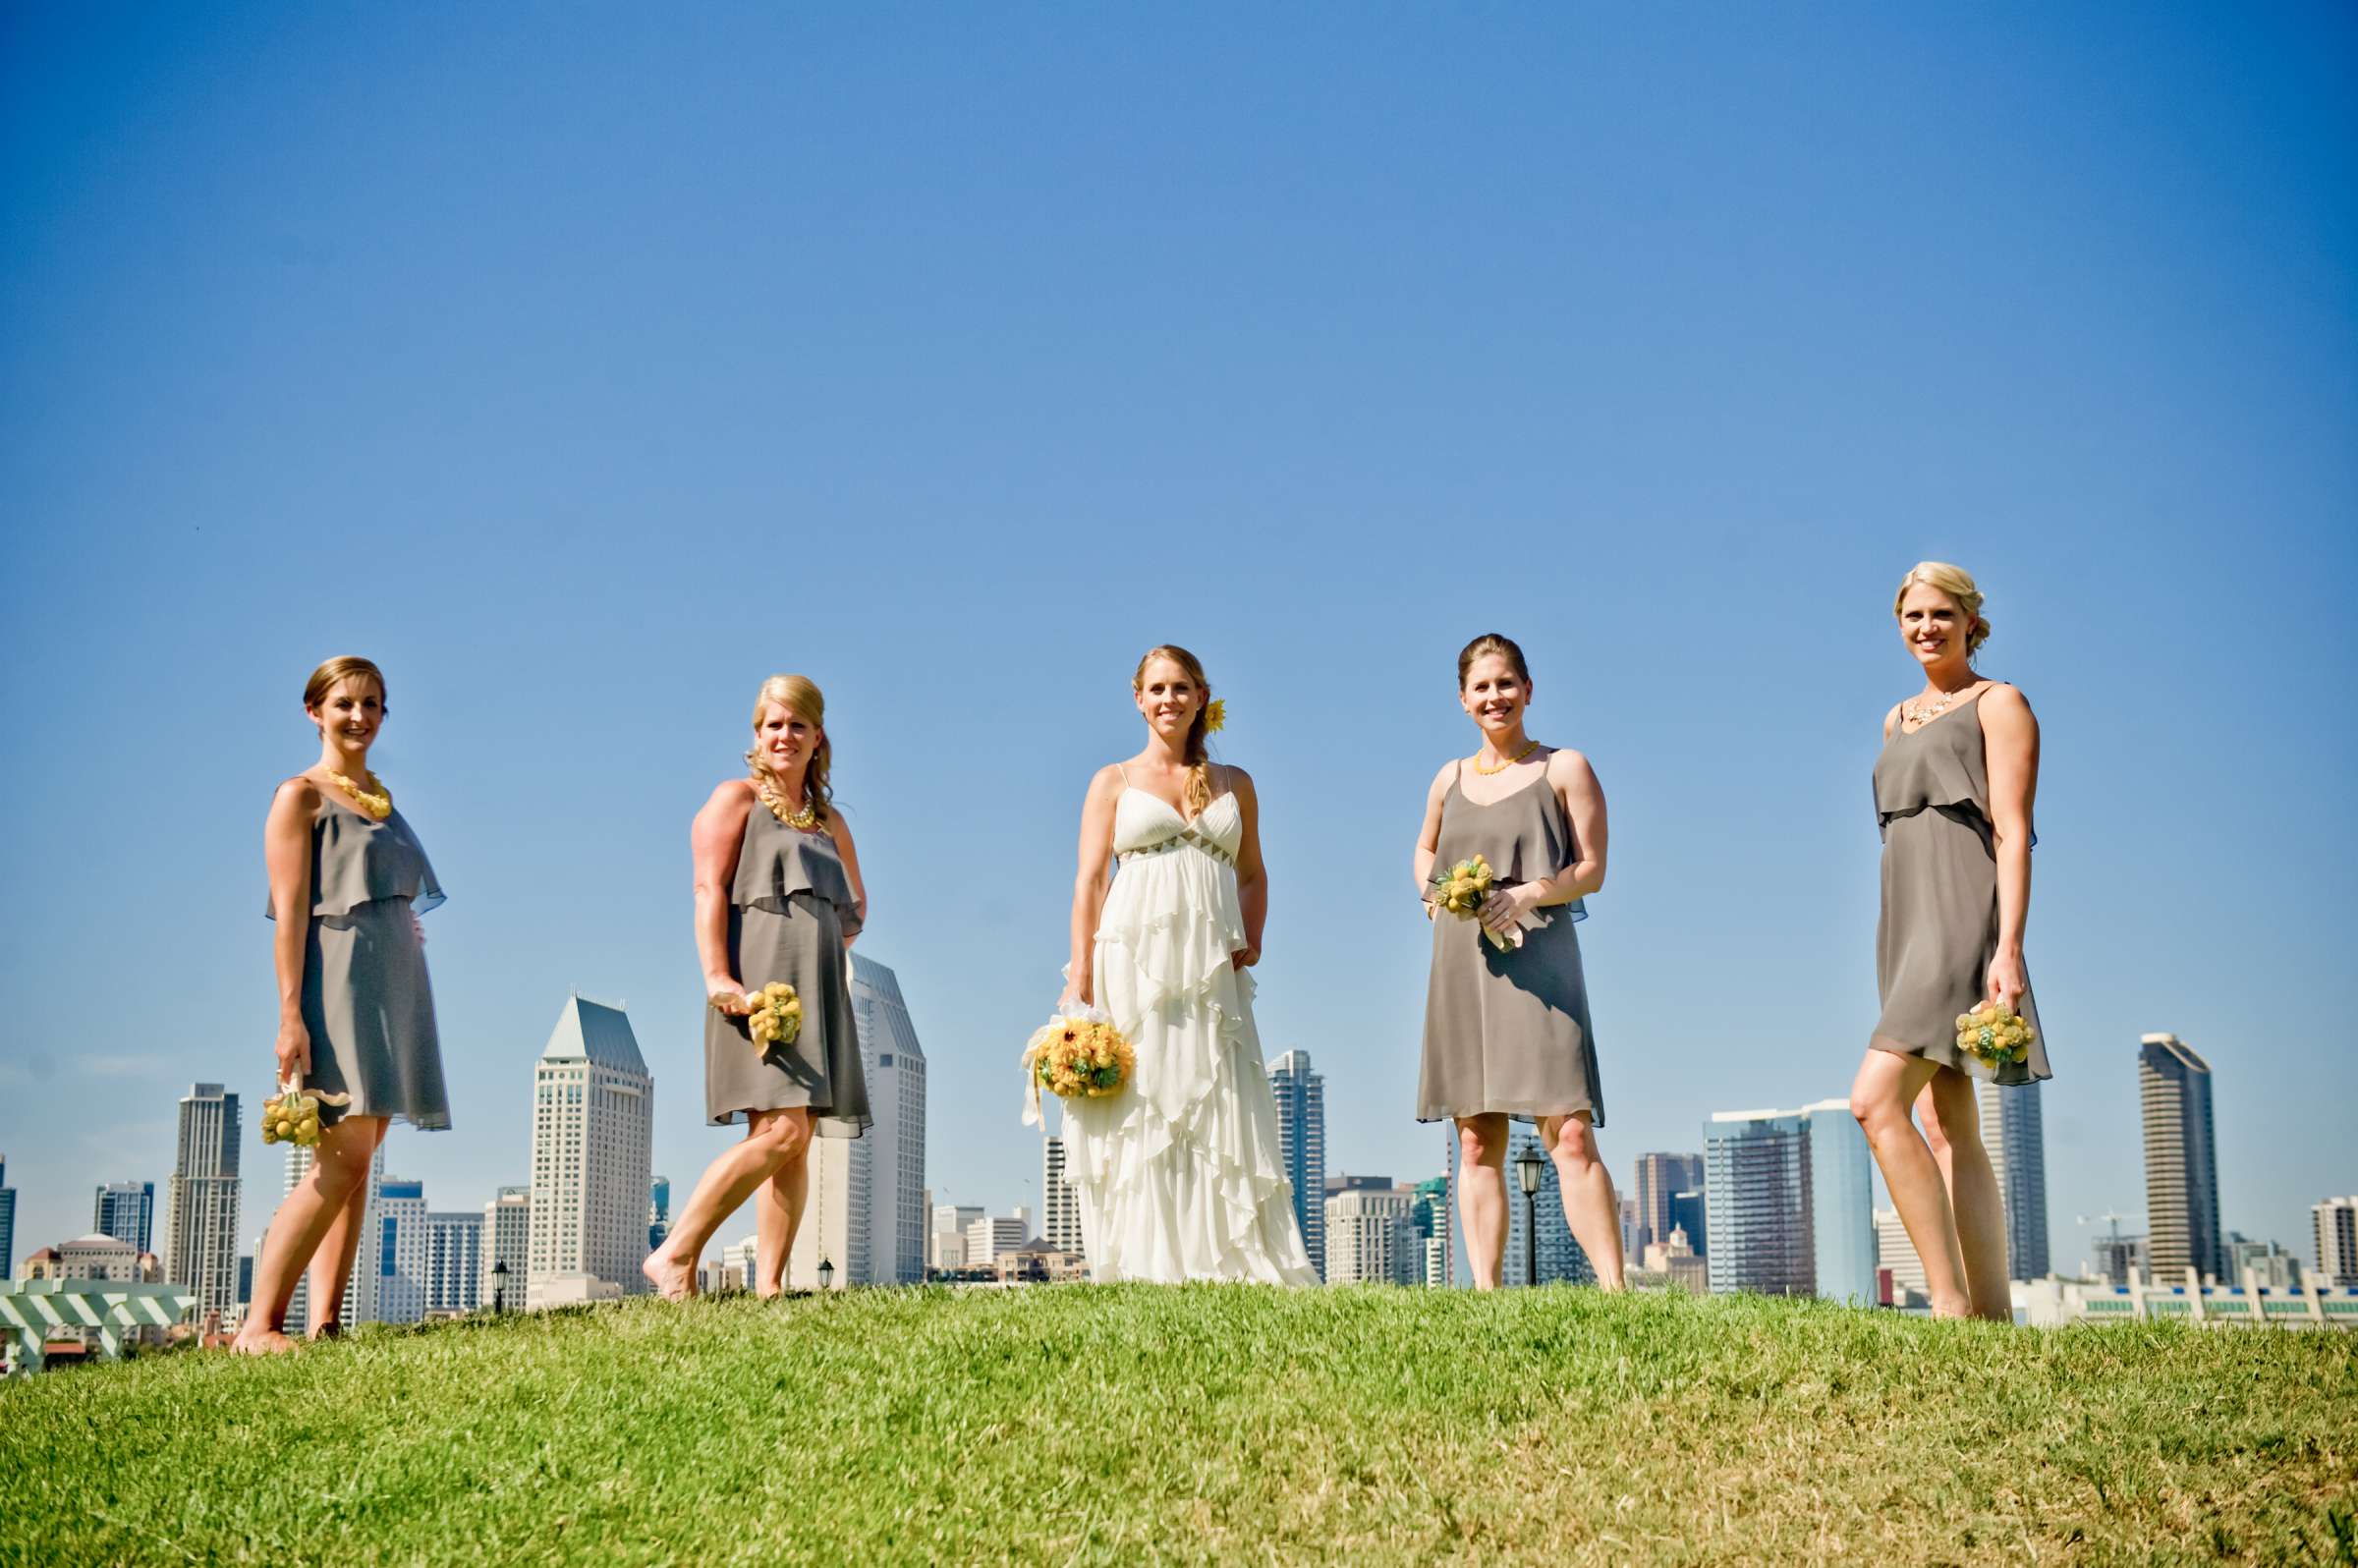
<point>200,1225</point>
<point>866,1215</point>
<point>593,1122</point>
<point>1059,1204</point>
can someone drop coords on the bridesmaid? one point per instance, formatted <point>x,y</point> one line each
<point>356,1016</point>
<point>1507,1034</point>
<point>1952,790</point>
<point>778,897</point>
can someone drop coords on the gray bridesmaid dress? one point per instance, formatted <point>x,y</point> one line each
<point>1508,1030</point>
<point>365,998</point>
<point>1938,929</point>
<point>790,907</point>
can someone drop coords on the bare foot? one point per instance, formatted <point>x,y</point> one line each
<point>257,1341</point>
<point>769,1292</point>
<point>672,1281</point>
<point>331,1329</point>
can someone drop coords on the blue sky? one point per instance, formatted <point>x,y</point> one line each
<point>584,366</point>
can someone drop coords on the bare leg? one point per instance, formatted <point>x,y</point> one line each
<point>1928,1122</point>
<point>1592,1209</point>
<point>1879,1098</point>
<point>1482,1195</point>
<point>1974,1199</point>
<point>338,1178</point>
<point>777,1215</point>
<point>771,1137</point>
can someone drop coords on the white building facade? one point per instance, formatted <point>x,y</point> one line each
<point>1369,1238</point>
<point>507,1239</point>
<point>593,1128</point>
<point>454,1261</point>
<point>201,1226</point>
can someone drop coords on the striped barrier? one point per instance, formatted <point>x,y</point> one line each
<point>32,1310</point>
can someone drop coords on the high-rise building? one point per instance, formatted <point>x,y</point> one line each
<point>1302,1146</point>
<point>2017,1144</point>
<point>866,1217</point>
<point>200,1227</point>
<point>2270,1266</point>
<point>2181,1162</point>
<point>507,1239</point>
<point>2118,1255</point>
<point>1430,1220</point>
<point>1371,1235</point>
<point>1841,1202</point>
<point>658,1213</point>
<point>403,1283</point>
<point>1896,1256</point>
<point>895,1064</point>
<point>992,1235</point>
<point>2335,1223</point>
<point>1059,1204</point>
<point>1757,1185</point>
<point>948,1236</point>
<point>125,1210</point>
<point>593,1122</point>
<point>1660,1179</point>
<point>363,1303</point>
<point>454,1261</point>
<point>1690,1213</point>
<point>8,1223</point>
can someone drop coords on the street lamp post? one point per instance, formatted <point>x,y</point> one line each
<point>826,1274</point>
<point>499,1287</point>
<point>1528,1168</point>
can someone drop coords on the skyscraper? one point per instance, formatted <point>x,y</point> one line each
<point>593,1121</point>
<point>1690,1213</point>
<point>8,1223</point>
<point>125,1210</point>
<point>658,1212</point>
<point>1660,1177</point>
<point>1841,1202</point>
<point>507,1239</point>
<point>1059,1204</point>
<point>200,1229</point>
<point>1302,1146</point>
<point>401,1251</point>
<point>454,1261</point>
<point>1370,1239</point>
<point>1430,1218</point>
<point>2335,1221</point>
<point>1757,1188</point>
<point>867,1217</point>
<point>2017,1144</point>
<point>2181,1163</point>
<point>362,1302</point>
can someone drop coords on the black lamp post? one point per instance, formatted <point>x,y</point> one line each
<point>826,1274</point>
<point>499,1287</point>
<point>1528,1168</point>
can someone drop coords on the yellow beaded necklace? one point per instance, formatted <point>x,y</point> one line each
<point>378,804</point>
<point>1529,746</point>
<point>802,821</point>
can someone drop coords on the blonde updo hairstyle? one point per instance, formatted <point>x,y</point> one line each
<point>1197,793</point>
<point>1958,585</point>
<point>342,667</point>
<point>800,695</point>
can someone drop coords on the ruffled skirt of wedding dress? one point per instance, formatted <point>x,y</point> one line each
<point>1179,1176</point>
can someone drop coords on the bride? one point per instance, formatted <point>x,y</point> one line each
<point>1178,1175</point>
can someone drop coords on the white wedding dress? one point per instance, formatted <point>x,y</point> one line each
<point>1178,1175</point>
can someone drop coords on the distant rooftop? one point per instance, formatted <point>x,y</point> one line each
<point>595,1031</point>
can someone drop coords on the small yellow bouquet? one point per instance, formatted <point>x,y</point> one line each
<point>1076,1056</point>
<point>1994,1036</point>
<point>1462,889</point>
<point>294,1116</point>
<point>777,1015</point>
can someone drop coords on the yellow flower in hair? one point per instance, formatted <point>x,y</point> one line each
<point>1216,716</point>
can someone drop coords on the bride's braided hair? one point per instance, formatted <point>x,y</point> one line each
<point>1197,793</point>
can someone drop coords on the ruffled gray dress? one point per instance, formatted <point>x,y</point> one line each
<point>1938,930</point>
<point>365,998</point>
<point>790,907</point>
<point>1508,1030</point>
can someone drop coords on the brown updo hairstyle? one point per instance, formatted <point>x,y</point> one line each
<point>1487,643</point>
<point>342,667</point>
<point>1958,585</point>
<point>800,695</point>
<point>1197,793</point>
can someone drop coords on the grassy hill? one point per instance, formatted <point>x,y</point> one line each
<point>1080,1425</point>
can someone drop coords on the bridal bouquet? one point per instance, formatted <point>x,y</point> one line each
<point>1994,1036</point>
<point>1078,1055</point>
<point>777,1015</point>
<point>1461,891</point>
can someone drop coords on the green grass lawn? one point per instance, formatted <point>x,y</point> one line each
<point>1089,1424</point>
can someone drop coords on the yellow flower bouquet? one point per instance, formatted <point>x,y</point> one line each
<point>1994,1036</point>
<point>777,1015</point>
<point>293,1117</point>
<point>1462,889</point>
<point>1076,1056</point>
